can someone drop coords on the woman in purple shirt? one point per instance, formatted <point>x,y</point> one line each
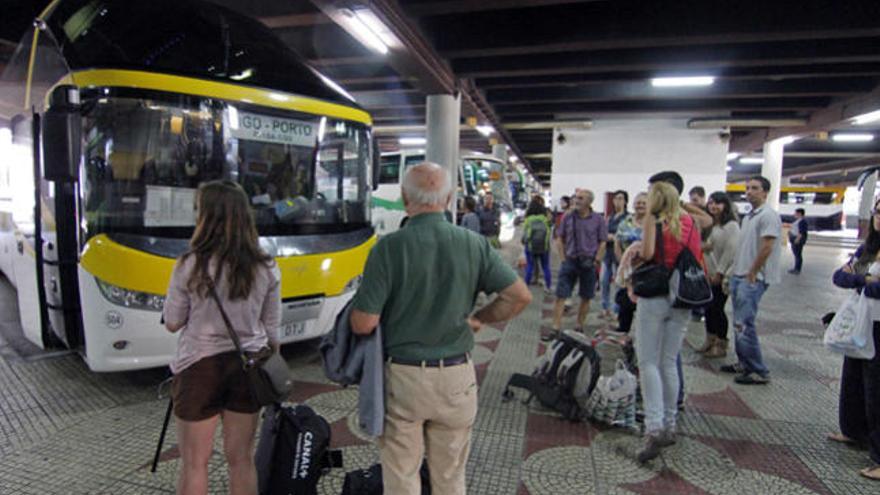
<point>859,409</point>
<point>209,382</point>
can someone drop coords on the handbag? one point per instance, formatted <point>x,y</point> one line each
<point>269,378</point>
<point>851,331</point>
<point>651,279</point>
<point>613,401</point>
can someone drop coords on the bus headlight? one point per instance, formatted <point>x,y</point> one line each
<point>131,298</point>
<point>353,284</point>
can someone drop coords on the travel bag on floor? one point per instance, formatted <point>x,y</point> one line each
<point>564,377</point>
<point>293,451</point>
<point>613,401</point>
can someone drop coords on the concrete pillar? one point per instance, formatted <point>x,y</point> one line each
<point>866,204</point>
<point>443,115</point>
<point>500,151</point>
<point>772,169</point>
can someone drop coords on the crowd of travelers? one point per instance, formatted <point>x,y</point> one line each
<point>427,315</point>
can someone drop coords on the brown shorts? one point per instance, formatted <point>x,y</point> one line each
<point>211,385</point>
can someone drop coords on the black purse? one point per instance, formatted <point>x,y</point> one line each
<point>267,373</point>
<point>651,279</point>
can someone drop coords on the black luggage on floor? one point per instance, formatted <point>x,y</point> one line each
<point>564,377</point>
<point>369,481</point>
<point>293,451</point>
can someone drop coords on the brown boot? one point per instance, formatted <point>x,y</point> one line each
<point>708,344</point>
<point>718,350</point>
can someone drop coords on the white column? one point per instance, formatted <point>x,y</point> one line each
<point>443,115</point>
<point>866,205</point>
<point>500,151</point>
<point>772,169</point>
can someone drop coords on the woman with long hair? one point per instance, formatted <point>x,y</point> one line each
<point>536,225</point>
<point>628,232</point>
<point>660,327</point>
<point>619,199</point>
<point>719,251</point>
<point>209,382</point>
<point>859,413</point>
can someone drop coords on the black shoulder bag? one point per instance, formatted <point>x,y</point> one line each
<point>651,279</point>
<point>269,378</point>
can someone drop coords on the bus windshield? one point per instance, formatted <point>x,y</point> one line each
<point>144,159</point>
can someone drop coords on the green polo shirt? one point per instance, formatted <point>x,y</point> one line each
<point>422,280</point>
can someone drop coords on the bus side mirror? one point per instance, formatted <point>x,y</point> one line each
<point>62,135</point>
<point>377,163</point>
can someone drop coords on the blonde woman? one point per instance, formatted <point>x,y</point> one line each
<point>660,328</point>
<point>209,384</point>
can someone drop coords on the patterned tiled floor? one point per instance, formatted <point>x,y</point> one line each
<point>65,430</point>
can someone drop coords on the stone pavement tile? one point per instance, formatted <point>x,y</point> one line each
<point>843,488</point>
<point>837,463</point>
<point>491,480</point>
<point>727,427</point>
<point>664,483</point>
<point>560,471</point>
<point>779,399</point>
<point>496,450</point>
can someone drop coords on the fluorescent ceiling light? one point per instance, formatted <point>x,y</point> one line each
<point>675,82</point>
<point>243,75</point>
<point>412,141</point>
<point>485,130</point>
<point>363,33</point>
<point>732,156</point>
<point>754,160</point>
<point>867,118</point>
<point>377,27</point>
<point>852,138</point>
<point>729,168</point>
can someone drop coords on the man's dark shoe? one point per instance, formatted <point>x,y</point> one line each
<point>794,272</point>
<point>667,438</point>
<point>651,449</point>
<point>732,368</point>
<point>751,378</point>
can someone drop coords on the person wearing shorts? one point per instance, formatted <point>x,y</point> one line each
<point>209,384</point>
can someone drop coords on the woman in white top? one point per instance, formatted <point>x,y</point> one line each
<point>719,251</point>
<point>209,381</point>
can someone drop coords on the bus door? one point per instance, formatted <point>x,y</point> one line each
<point>58,226</point>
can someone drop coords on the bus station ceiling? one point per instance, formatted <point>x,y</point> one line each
<point>780,68</point>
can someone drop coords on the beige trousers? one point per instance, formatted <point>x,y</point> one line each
<point>427,411</point>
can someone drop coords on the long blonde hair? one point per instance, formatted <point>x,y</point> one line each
<point>225,230</point>
<point>665,204</point>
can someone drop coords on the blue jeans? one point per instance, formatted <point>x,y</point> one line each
<point>745,297</point>
<point>608,270</point>
<point>660,330</point>
<point>531,259</point>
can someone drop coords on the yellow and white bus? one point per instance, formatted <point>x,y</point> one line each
<point>823,205</point>
<point>124,109</point>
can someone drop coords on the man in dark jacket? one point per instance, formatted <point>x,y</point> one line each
<point>490,220</point>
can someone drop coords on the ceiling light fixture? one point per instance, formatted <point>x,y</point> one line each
<point>867,118</point>
<point>852,138</point>
<point>485,130</point>
<point>753,160</point>
<point>412,141</point>
<point>732,156</point>
<point>363,32</point>
<point>729,168</point>
<point>678,82</point>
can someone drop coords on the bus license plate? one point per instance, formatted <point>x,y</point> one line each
<point>293,329</point>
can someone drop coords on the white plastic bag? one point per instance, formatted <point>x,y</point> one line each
<point>614,399</point>
<point>851,331</point>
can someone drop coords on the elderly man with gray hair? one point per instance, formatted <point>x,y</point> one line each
<point>420,283</point>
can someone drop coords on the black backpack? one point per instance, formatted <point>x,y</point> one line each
<point>293,451</point>
<point>564,377</point>
<point>369,481</point>
<point>538,232</point>
<point>688,282</point>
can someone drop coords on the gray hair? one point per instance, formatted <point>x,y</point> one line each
<point>427,184</point>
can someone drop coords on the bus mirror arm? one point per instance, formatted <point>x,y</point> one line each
<point>62,135</point>
<point>377,163</point>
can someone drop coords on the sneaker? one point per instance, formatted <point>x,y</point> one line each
<point>751,378</point>
<point>733,368</point>
<point>651,449</point>
<point>667,438</point>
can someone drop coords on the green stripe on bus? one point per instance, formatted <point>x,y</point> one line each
<point>388,205</point>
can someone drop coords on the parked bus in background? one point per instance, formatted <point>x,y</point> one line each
<point>824,205</point>
<point>123,109</point>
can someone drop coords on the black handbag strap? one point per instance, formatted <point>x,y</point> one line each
<point>232,334</point>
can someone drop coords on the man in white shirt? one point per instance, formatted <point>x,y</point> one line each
<point>755,267</point>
